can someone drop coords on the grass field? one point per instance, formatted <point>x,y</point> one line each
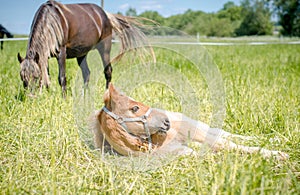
<point>42,153</point>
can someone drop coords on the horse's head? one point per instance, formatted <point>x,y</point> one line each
<point>127,108</point>
<point>30,72</point>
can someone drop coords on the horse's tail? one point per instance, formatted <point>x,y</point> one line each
<point>131,36</point>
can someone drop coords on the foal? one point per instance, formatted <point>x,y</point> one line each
<point>132,128</point>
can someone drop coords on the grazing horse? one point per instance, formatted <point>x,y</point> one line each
<point>132,128</point>
<point>3,32</point>
<point>71,31</point>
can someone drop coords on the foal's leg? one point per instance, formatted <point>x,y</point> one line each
<point>217,139</point>
<point>229,145</point>
<point>62,70</point>
<point>228,135</point>
<point>84,69</point>
<point>104,48</point>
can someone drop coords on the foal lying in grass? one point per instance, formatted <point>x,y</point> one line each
<point>132,128</point>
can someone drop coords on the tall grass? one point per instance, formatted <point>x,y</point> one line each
<point>41,151</point>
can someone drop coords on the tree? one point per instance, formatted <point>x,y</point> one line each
<point>220,27</point>
<point>288,12</point>
<point>153,15</point>
<point>231,11</point>
<point>131,12</point>
<point>257,19</point>
<point>228,5</point>
<point>185,20</point>
<point>231,17</point>
<point>253,17</point>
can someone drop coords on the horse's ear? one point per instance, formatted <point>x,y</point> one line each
<point>20,58</point>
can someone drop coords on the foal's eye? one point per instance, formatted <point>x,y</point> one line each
<point>135,109</point>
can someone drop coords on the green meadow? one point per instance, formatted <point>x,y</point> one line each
<point>42,150</point>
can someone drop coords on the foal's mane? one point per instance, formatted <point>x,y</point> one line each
<point>46,35</point>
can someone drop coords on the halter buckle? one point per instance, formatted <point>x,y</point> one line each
<point>120,120</point>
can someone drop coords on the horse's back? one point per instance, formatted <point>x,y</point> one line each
<point>85,18</point>
<point>86,24</point>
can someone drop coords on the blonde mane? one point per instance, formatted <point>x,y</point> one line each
<point>46,36</point>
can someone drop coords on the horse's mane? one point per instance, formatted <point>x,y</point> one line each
<point>46,34</point>
<point>46,30</point>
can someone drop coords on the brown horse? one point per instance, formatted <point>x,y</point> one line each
<point>118,126</point>
<point>71,31</point>
<point>3,32</point>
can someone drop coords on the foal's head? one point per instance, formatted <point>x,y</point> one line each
<point>126,107</point>
<point>30,72</point>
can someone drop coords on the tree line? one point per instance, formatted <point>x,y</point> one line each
<point>251,17</point>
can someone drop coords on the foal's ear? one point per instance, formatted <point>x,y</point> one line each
<point>109,94</point>
<point>114,92</point>
<point>20,58</point>
<point>111,87</point>
<point>106,97</point>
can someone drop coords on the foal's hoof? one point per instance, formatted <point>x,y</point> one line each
<point>278,155</point>
<point>31,95</point>
<point>282,156</point>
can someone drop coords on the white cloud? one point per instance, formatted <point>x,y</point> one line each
<point>124,6</point>
<point>149,5</point>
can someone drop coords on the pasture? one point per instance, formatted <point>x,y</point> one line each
<point>41,151</point>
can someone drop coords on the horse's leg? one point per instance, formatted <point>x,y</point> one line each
<point>48,73</point>
<point>61,59</point>
<point>104,48</point>
<point>84,69</point>
<point>1,37</point>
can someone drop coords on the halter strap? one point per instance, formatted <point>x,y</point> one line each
<point>122,121</point>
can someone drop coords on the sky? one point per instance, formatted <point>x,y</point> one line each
<point>16,16</point>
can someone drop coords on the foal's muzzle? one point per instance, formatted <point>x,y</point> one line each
<point>165,126</point>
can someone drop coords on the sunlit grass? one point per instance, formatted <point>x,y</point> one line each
<point>41,151</point>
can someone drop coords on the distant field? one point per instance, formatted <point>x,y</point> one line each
<point>41,151</point>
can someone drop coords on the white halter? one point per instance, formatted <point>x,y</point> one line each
<point>122,121</point>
